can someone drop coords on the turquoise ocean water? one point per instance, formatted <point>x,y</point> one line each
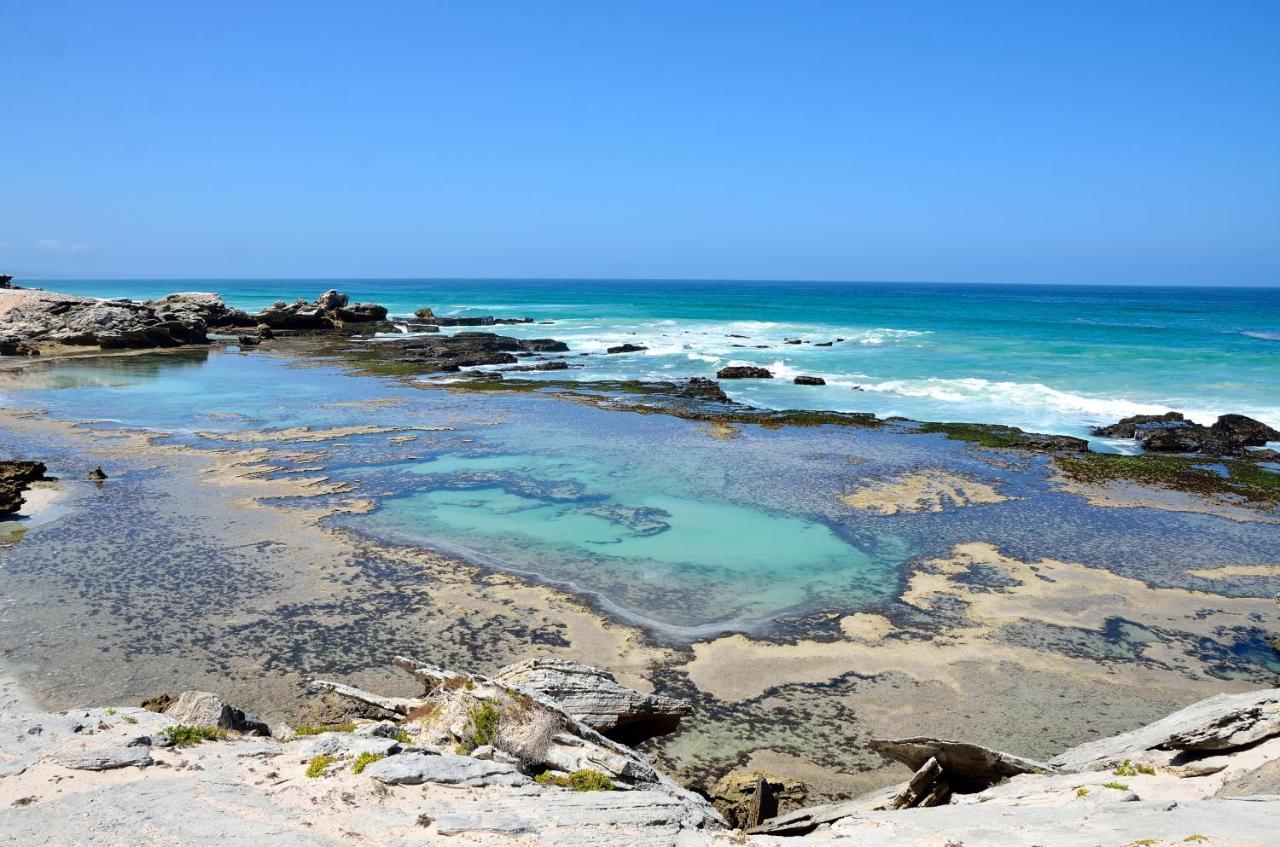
<point>1052,358</point>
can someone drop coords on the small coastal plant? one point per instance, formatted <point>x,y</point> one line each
<point>1196,837</point>
<point>365,759</point>
<point>1128,768</point>
<point>1082,791</point>
<point>403,737</point>
<point>1118,786</point>
<point>317,766</point>
<point>317,729</point>
<point>187,736</point>
<point>580,780</point>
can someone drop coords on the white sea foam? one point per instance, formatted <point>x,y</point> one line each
<point>1265,336</point>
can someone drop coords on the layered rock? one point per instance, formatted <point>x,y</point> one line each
<point>594,697</point>
<point>202,306</point>
<point>449,353</point>
<point>31,319</point>
<point>1172,432</point>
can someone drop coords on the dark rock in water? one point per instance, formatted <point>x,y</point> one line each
<point>749,798</point>
<point>743,372</point>
<point>331,309</point>
<point>1182,439</point>
<point>556,365</point>
<point>793,341</point>
<point>360,313</point>
<point>485,376</point>
<point>703,388</point>
<point>450,353</point>
<point>627,348</point>
<point>248,341</point>
<point>15,478</point>
<point>1240,431</point>
<point>97,474</point>
<point>1128,427</point>
<point>425,314</point>
<point>823,344</point>
<point>265,333</point>
<point>809,380</point>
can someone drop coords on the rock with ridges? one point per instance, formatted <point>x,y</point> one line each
<point>415,769</point>
<point>967,767</point>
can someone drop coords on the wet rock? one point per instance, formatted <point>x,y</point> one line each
<point>544,345</point>
<point>298,315</point>
<point>360,313</point>
<point>594,697</point>
<point>1239,431</point>
<point>743,372</point>
<point>415,769</point>
<point>1172,433</point>
<point>1128,427</point>
<point>97,474</point>
<point>627,348</point>
<point>809,380</point>
<point>749,798</point>
<point>449,353</point>
<point>424,314</point>
<point>248,341</point>
<point>15,478</point>
<point>556,365</point>
<point>703,389</point>
<point>968,767</point>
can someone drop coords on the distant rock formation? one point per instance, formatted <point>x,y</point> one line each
<point>743,372</point>
<point>1172,432</point>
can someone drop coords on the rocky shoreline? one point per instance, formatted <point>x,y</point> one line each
<point>520,758</point>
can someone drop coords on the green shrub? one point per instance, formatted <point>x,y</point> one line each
<point>1118,786</point>
<point>482,725</point>
<point>317,766</point>
<point>1128,768</point>
<point>186,736</point>
<point>580,780</point>
<point>403,736</point>
<point>365,759</point>
<point>1082,791</point>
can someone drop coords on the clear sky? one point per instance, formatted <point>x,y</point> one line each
<point>1029,141</point>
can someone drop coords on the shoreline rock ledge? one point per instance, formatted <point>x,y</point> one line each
<point>496,763</point>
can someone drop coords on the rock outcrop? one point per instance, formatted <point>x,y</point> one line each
<point>626,348</point>
<point>15,478</point>
<point>204,708</point>
<point>743,372</point>
<point>749,798</point>
<point>1172,432</point>
<point>200,306</point>
<point>31,320</point>
<point>330,310</point>
<point>594,697</point>
<point>450,353</point>
<point>809,380</point>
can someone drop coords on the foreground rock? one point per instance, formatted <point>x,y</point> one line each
<point>594,697</point>
<point>32,321</point>
<point>204,708</point>
<point>749,798</point>
<point>1174,433</point>
<point>15,478</point>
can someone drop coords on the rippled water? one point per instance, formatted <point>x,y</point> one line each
<point>1049,358</point>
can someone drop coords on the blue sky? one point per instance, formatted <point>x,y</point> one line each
<point>1133,142</point>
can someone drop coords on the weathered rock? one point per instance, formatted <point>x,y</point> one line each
<point>967,767</point>
<point>1215,724</point>
<point>743,372</point>
<point>30,318</point>
<point>204,708</point>
<point>15,478</point>
<point>1172,433</point>
<point>555,365</point>
<point>749,798</point>
<point>594,697</point>
<point>97,474</point>
<point>627,348</point>
<point>343,744</point>
<point>202,306</point>
<point>1262,780</point>
<point>1239,431</point>
<point>809,380</point>
<point>108,758</point>
<point>415,769</point>
<point>450,353</point>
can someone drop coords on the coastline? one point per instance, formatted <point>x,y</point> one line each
<point>853,669</point>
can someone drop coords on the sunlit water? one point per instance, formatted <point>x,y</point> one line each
<point>651,516</point>
<point>1046,358</point>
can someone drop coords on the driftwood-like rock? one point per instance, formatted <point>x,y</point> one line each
<point>968,767</point>
<point>594,697</point>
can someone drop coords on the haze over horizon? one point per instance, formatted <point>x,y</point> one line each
<point>934,142</point>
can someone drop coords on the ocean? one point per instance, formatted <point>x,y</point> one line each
<point>1046,358</point>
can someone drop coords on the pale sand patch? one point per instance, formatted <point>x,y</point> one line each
<point>721,430</point>
<point>922,492</point>
<point>865,626</point>
<point>1227,571</point>
<point>1047,592</point>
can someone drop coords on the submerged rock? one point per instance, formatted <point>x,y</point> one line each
<point>627,348</point>
<point>15,478</point>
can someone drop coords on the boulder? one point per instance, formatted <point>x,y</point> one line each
<point>30,318</point>
<point>204,708</point>
<point>743,372</point>
<point>360,313</point>
<point>627,348</point>
<point>199,305</point>
<point>594,697</point>
<point>749,798</point>
<point>1240,431</point>
<point>1127,427</point>
<point>809,380</point>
